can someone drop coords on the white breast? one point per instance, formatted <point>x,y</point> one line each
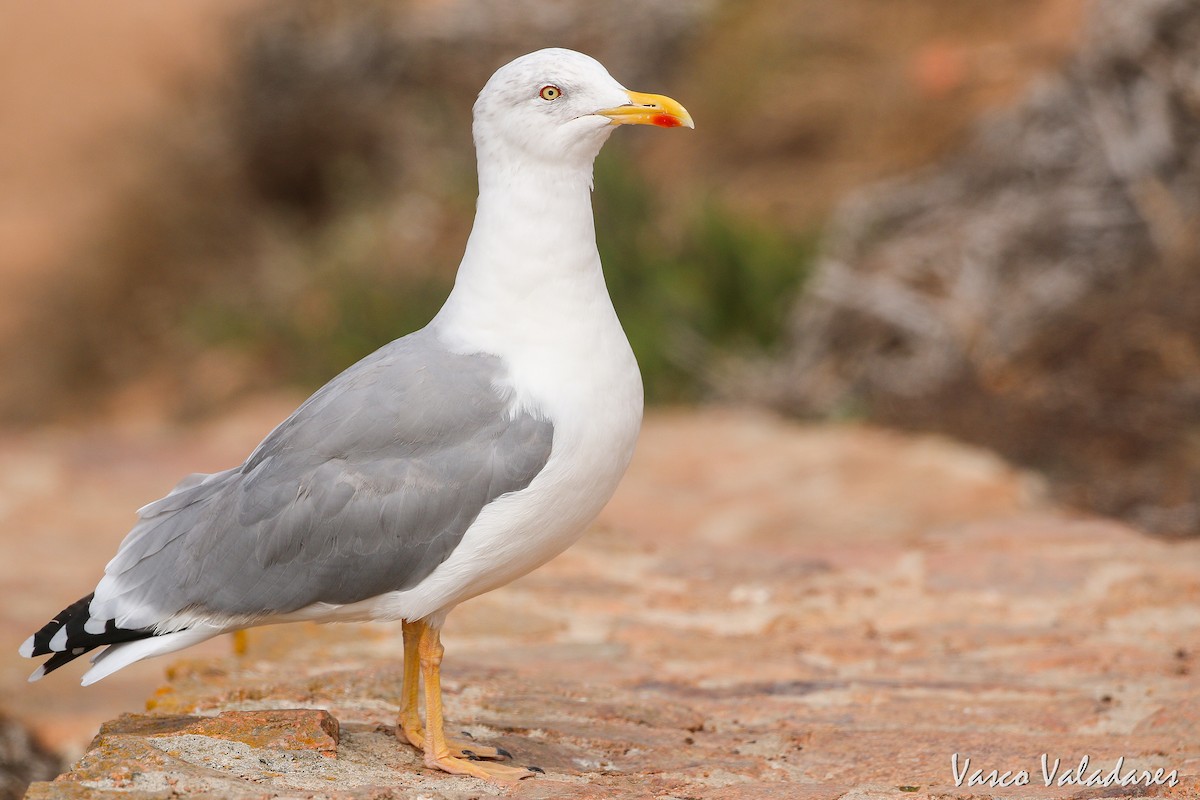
<point>585,380</point>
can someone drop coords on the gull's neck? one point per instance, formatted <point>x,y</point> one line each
<point>531,264</point>
<point>531,292</point>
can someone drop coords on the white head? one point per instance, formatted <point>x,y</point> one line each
<point>555,108</point>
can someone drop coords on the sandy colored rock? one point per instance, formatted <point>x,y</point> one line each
<point>765,610</point>
<point>285,729</point>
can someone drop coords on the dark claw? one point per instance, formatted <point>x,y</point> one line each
<point>471,756</point>
<point>468,735</point>
<point>500,751</point>
<point>538,770</point>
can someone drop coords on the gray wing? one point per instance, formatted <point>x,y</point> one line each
<point>365,489</point>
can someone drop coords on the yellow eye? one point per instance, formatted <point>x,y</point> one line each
<point>550,93</point>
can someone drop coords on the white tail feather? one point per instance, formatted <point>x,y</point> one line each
<point>119,656</point>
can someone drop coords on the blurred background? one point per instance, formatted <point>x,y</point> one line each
<point>978,219</point>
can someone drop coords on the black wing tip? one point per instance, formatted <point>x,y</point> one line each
<point>70,614</point>
<point>75,639</point>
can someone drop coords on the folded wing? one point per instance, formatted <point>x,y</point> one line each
<point>365,489</point>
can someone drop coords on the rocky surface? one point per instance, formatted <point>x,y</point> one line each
<point>765,610</point>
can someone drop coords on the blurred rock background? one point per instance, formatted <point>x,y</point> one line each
<point>1037,291</point>
<point>974,219</point>
<point>294,182</point>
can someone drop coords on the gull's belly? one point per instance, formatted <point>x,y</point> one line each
<point>519,532</point>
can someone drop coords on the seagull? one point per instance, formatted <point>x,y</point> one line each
<point>445,464</point>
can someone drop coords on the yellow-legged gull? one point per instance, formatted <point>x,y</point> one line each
<point>442,466</point>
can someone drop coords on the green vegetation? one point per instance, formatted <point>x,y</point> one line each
<point>716,286</point>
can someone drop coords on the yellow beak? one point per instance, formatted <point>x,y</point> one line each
<point>649,109</point>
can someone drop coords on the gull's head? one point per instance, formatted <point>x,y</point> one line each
<point>556,107</point>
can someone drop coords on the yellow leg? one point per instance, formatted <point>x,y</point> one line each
<point>437,750</point>
<point>240,641</point>
<point>410,715</point>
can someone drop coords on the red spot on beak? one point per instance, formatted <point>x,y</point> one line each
<point>666,121</point>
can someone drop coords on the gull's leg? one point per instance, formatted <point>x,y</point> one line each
<point>437,750</point>
<point>410,715</point>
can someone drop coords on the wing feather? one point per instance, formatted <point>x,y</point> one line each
<point>365,489</point>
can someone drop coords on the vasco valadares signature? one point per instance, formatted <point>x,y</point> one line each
<point>1054,774</point>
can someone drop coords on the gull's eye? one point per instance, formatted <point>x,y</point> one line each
<point>550,93</point>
